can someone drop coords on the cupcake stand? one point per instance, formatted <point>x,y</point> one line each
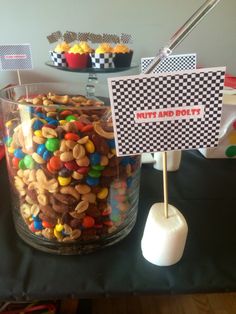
<point>92,75</point>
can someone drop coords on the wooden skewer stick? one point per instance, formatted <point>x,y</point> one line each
<point>165,183</point>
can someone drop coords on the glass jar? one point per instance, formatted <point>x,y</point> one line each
<point>71,194</point>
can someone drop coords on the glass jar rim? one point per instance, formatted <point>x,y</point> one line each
<point>46,85</point>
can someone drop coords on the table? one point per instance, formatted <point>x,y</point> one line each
<point>203,190</point>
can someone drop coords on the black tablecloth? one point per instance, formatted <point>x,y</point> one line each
<point>203,190</point>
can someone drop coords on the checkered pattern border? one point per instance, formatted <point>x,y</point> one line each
<point>102,60</point>
<point>157,91</point>
<point>58,59</point>
<point>172,63</point>
<point>15,57</point>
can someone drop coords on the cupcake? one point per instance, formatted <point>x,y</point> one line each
<point>58,54</point>
<point>123,56</point>
<point>76,57</point>
<point>103,56</point>
<point>87,49</point>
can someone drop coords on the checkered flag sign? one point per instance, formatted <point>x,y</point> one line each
<point>164,112</point>
<point>69,37</point>
<point>15,57</point>
<point>172,63</point>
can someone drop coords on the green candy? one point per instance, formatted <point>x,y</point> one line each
<point>52,144</point>
<point>8,141</point>
<point>230,151</point>
<point>98,167</point>
<point>70,118</point>
<point>22,164</point>
<point>29,162</point>
<point>94,173</point>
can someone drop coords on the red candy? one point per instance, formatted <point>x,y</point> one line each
<point>72,137</point>
<point>108,223</point>
<point>234,124</point>
<point>15,162</point>
<point>88,222</point>
<point>79,125</point>
<point>49,168</point>
<point>71,165</point>
<point>83,170</point>
<point>87,128</point>
<point>66,113</point>
<point>55,163</point>
<point>47,224</point>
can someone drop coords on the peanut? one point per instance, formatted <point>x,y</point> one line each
<point>78,151</point>
<point>83,140</point>
<point>66,156</point>
<point>83,162</point>
<point>83,188</point>
<point>99,130</point>
<point>70,190</point>
<point>89,197</point>
<point>38,158</point>
<point>48,132</point>
<point>82,207</point>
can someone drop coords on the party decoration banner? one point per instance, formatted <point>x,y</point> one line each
<point>15,57</point>
<point>165,112</point>
<point>172,63</point>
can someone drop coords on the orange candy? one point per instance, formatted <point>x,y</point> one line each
<point>72,137</point>
<point>87,128</point>
<point>55,163</point>
<point>88,222</point>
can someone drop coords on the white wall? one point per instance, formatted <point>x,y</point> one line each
<point>151,22</point>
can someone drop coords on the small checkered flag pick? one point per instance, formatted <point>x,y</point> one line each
<point>166,112</point>
<point>69,37</point>
<point>126,38</point>
<point>172,63</point>
<point>83,36</point>
<point>54,37</point>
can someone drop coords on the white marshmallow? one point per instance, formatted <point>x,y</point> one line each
<point>164,238</point>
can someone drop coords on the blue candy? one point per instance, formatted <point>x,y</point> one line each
<point>53,122</point>
<point>129,182</point>
<point>41,149</point>
<point>92,181</point>
<point>38,224</point>
<point>111,143</point>
<point>18,153</point>
<point>47,155</point>
<point>125,161</point>
<point>95,158</point>
<point>37,125</point>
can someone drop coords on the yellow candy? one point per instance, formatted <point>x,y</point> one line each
<point>63,181</point>
<point>113,150</point>
<point>90,147</point>
<point>59,227</point>
<point>62,122</point>
<point>11,150</point>
<point>102,194</point>
<point>232,138</point>
<point>57,234</point>
<point>8,124</point>
<point>38,133</point>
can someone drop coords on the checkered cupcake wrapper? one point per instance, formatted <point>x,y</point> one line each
<point>58,59</point>
<point>102,60</point>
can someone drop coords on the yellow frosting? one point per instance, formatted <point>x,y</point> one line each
<point>76,49</point>
<point>120,48</point>
<point>104,48</point>
<point>62,47</point>
<point>85,46</point>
